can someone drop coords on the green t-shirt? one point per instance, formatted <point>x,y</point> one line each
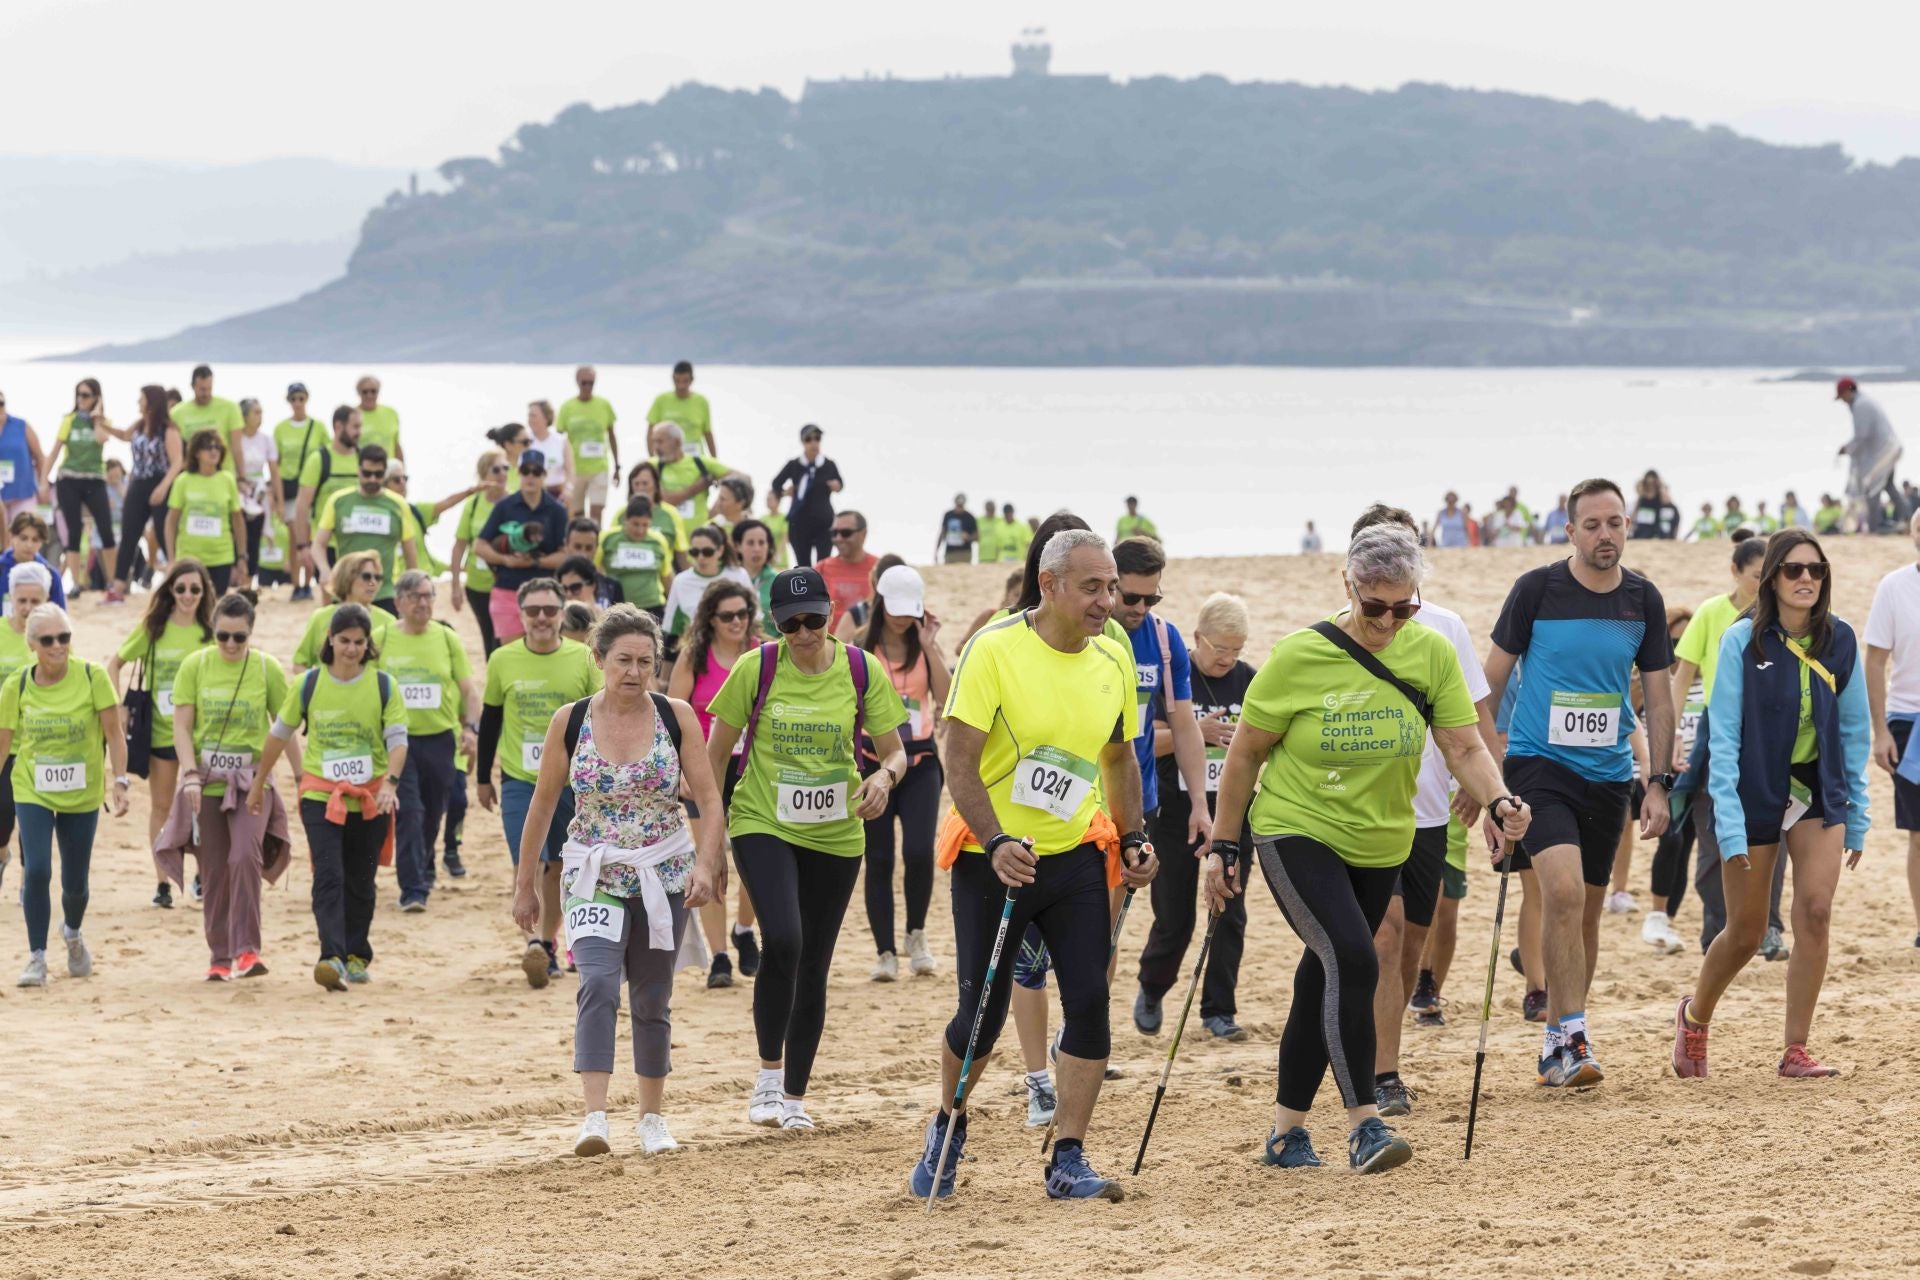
<point>343,472</point>
<point>1015,538</point>
<point>314,638</point>
<point>276,541</point>
<point>473,518</point>
<point>14,653</point>
<point>678,475</point>
<point>1704,528</point>
<point>233,707</point>
<point>428,668</point>
<point>693,415</point>
<point>529,687</point>
<point>782,550</point>
<point>1700,642</point>
<point>1827,519</point>
<point>1135,526</point>
<point>381,425</point>
<point>206,505</point>
<point>1806,746</point>
<point>642,568</point>
<point>987,542</point>
<point>169,651</point>
<point>1348,762</point>
<point>216,415</point>
<point>802,774</point>
<point>346,727</point>
<point>76,431</point>
<point>587,424</point>
<point>59,750</point>
<point>296,440</point>
<point>351,521</point>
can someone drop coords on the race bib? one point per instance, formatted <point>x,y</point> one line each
<point>807,798</point>
<point>272,555</point>
<point>1799,800</point>
<point>53,776</point>
<point>602,916</point>
<point>1216,765</point>
<point>1584,719</point>
<point>378,524</point>
<point>530,752</point>
<point>591,448</point>
<point>229,761</point>
<point>686,509</point>
<point>345,768</point>
<point>203,526</point>
<point>163,700</point>
<point>916,718</point>
<point>1690,721</point>
<point>6,472</point>
<point>421,697</point>
<point>1053,781</point>
<point>695,449</point>
<point>633,559</point>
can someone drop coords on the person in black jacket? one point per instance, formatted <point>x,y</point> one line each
<point>809,482</point>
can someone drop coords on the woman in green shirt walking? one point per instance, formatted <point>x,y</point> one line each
<point>204,518</point>
<point>27,587</point>
<point>753,543</point>
<point>493,470</point>
<point>82,486</point>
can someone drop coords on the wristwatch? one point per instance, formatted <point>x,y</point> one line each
<point>1666,780</point>
<point>123,780</point>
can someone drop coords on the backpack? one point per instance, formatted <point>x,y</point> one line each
<point>769,662</point>
<point>577,716</point>
<point>311,680</point>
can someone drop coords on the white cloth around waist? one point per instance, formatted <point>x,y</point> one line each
<point>590,860</point>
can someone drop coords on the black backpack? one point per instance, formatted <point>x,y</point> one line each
<point>577,716</point>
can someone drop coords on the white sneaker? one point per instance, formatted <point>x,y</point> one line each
<point>1041,1101</point>
<point>1620,903</point>
<point>886,968</point>
<point>769,1091</point>
<point>793,1115</point>
<point>593,1136</point>
<point>919,956</point>
<point>35,974</point>
<point>79,959</point>
<point>653,1134</point>
<point>1658,933</point>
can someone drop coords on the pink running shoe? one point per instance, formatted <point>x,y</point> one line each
<point>1798,1064</point>
<point>1690,1045</point>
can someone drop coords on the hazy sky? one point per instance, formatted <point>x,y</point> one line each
<point>398,82</point>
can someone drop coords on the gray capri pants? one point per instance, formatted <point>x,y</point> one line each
<point>649,975</point>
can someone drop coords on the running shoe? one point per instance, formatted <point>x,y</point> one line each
<point>1621,903</point>
<point>721,974</point>
<point>1582,1068</point>
<point>919,955</point>
<point>533,963</point>
<point>331,974</point>
<point>114,597</point>
<point>1657,932</point>
<point>886,968</point>
<point>249,965</point>
<point>301,593</point>
<point>1798,1064</point>
<point>653,1134</point>
<point>1041,1103</point>
<point>1434,1017</point>
<point>1513,958</point>
<point>793,1115</point>
<point>1375,1148</point>
<point>357,971</point>
<point>1221,1026</point>
<point>1147,1014</point>
<point>553,958</point>
<point>1070,1177</point>
<point>195,892</point>
<point>571,966</point>
<point>1290,1150</point>
<point>219,973</point>
<point>455,868</point>
<point>748,946</point>
<point>413,906</point>
<point>1394,1098</point>
<point>1553,1068</point>
<point>163,896</point>
<point>1774,946</point>
<point>593,1136</point>
<point>1425,994</point>
<point>79,959</point>
<point>1533,1006</point>
<point>920,1182</point>
<point>769,1092</point>
<point>35,974</point>
<point>1689,1045</point>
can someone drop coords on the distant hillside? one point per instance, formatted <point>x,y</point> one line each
<point>1036,220</point>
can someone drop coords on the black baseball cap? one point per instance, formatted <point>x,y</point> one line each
<point>810,432</point>
<point>533,460</point>
<point>800,591</point>
<point>296,389</point>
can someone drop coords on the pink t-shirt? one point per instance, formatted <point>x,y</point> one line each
<point>706,683</point>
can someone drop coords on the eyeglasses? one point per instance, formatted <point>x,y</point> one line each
<point>811,621</point>
<point>703,552</point>
<point>574,588</point>
<point>1817,571</point>
<point>540,610</point>
<point>61,638</point>
<point>1380,608</point>
<point>499,469</point>
<point>188,587</point>
<point>523,442</point>
<point>370,577</point>
<point>843,533</point>
<point>424,593</point>
<point>733,615</point>
<point>232,637</point>
<point>1227,651</point>
<point>1132,598</point>
<point>83,395</point>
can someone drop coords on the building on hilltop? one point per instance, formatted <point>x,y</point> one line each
<point>1032,63</point>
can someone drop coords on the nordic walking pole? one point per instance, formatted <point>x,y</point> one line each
<point>973,1037</point>
<point>1166,1069</point>
<point>1486,1002</point>
<point>1113,949</point>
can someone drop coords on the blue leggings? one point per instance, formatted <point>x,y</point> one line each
<point>38,827</point>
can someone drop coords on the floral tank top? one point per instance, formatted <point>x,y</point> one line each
<point>628,805</point>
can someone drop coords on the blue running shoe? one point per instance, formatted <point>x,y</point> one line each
<point>1290,1150</point>
<point>1375,1148</point>
<point>1582,1068</point>
<point>920,1181</point>
<point>1553,1069</point>
<point>1070,1177</point>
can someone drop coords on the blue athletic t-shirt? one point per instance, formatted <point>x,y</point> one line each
<point>1153,703</point>
<point>1581,648</point>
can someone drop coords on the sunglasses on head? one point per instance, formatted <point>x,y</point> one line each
<point>1132,598</point>
<point>55,638</point>
<point>1791,571</point>
<point>732,615</point>
<point>232,637</point>
<point>1380,608</point>
<point>540,610</point>
<point>811,621</point>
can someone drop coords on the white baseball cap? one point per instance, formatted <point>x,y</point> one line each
<point>902,591</point>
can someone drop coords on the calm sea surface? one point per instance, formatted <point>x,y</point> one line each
<point>1226,461</point>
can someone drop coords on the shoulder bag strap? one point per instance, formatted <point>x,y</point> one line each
<point>1376,668</point>
<point>663,708</point>
<point>1814,665</point>
<point>221,732</point>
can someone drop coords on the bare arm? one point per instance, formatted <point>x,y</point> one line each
<point>709,882</point>
<point>173,531</point>
<point>1658,692</point>
<point>176,463</point>
<point>680,685</point>
<point>1885,753</point>
<point>533,836</point>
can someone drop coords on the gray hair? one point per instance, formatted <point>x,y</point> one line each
<point>625,620</point>
<point>1385,553</point>
<point>46,616</point>
<point>413,580</point>
<point>1223,615</point>
<point>248,405</point>
<point>1061,546</point>
<point>672,429</point>
<point>29,572</point>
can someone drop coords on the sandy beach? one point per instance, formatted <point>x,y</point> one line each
<point>422,1126</point>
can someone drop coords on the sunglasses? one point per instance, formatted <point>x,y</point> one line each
<point>499,469</point>
<point>733,615</point>
<point>62,638</point>
<point>1132,598</point>
<point>188,588</point>
<point>1380,608</point>
<point>533,471</point>
<point>540,610</point>
<point>373,475</point>
<point>83,395</point>
<point>232,637</point>
<point>703,552</point>
<point>1817,571</point>
<point>843,533</point>
<point>574,588</point>
<point>811,621</point>
<point>369,577</point>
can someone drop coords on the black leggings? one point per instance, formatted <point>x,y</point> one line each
<point>135,513</point>
<point>916,802</point>
<point>222,575</point>
<point>480,603</point>
<point>800,896</point>
<point>1173,894</point>
<point>1068,901</point>
<point>1672,859</point>
<point>75,492</point>
<point>1335,908</point>
<point>811,543</point>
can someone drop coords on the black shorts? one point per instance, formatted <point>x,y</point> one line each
<point>1906,795</point>
<point>1418,884</point>
<point>1569,809</point>
<point>164,753</point>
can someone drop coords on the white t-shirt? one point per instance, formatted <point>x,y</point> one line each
<point>256,451</point>
<point>1430,801</point>
<point>558,451</point>
<point>1894,624</point>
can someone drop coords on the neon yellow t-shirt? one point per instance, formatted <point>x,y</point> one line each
<point>529,687</point>
<point>59,753</point>
<point>346,727</point>
<point>381,425</point>
<point>428,668</point>
<point>1700,642</point>
<point>172,649</point>
<point>215,415</point>
<point>296,440</point>
<point>14,653</point>
<point>693,415</point>
<point>343,472</point>
<point>233,707</point>
<point>588,426</point>
<point>206,505</point>
<point>314,638</point>
<point>685,471</point>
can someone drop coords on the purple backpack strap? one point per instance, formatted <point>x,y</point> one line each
<point>857,663</point>
<point>769,664</point>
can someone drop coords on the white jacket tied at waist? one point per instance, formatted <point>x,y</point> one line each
<point>590,860</point>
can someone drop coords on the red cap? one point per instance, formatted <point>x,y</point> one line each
<point>1843,386</point>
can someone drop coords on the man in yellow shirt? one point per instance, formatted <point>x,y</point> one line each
<point>379,423</point>
<point>690,410</point>
<point>207,412</point>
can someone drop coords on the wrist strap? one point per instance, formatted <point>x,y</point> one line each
<point>995,841</point>
<point>1494,808</point>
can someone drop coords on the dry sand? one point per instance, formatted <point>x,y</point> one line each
<point>153,1124</point>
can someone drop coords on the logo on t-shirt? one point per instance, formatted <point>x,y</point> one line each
<point>1339,701</point>
<point>1333,782</point>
